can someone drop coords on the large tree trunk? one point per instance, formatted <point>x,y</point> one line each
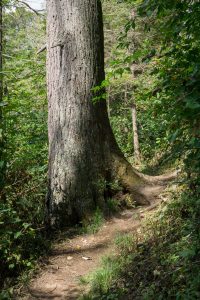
<point>83,155</point>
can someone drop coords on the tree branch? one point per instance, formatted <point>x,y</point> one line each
<point>42,49</point>
<point>29,7</point>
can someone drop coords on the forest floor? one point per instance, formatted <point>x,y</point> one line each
<point>80,255</point>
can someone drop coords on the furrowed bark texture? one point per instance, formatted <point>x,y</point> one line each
<point>83,153</point>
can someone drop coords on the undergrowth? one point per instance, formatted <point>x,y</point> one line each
<point>162,261</point>
<point>22,231</point>
<point>94,223</point>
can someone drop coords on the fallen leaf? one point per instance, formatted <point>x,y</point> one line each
<point>69,257</point>
<point>55,267</point>
<point>86,258</point>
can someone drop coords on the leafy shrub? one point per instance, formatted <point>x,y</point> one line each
<point>20,242</point>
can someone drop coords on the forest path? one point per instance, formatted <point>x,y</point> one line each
<point>80,255</point>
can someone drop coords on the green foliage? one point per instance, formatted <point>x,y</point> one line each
<point>112,205</point>
<point>100,92</point>
<point>26,112</point>
<point>173,71</point>
<point>25,144</point>
<point>160,45</point>
<point>131,82</point>
<point>19,242</point>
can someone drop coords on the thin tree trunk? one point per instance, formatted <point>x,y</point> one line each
<point>126,94</point>
<point>136,145</point>
<point>83,154</point>
<point>1,98</point>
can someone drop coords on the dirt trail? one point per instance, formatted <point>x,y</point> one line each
<point>80,255</point>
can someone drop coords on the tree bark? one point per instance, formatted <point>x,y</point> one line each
<point>83,154</point>
<point>108,101</point>
<point>1,99</point>
<point>136,145</point>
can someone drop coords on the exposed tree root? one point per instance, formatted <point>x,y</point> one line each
<point>142,188</point>
<point>160,179</point>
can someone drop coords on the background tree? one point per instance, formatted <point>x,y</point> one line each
<point>2,162</point>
